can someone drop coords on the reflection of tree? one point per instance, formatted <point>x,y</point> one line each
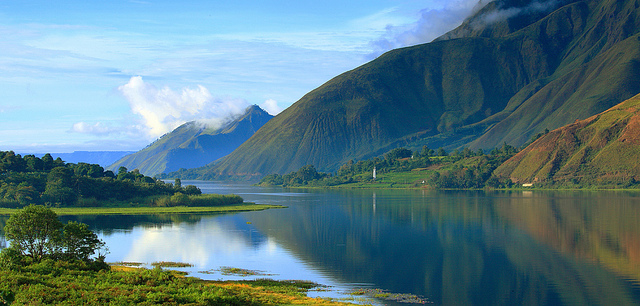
<point>3,222</point>
<point>464,248</point>
<point>107,224</point>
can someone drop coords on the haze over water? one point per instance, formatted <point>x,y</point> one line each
<point>450,247</point>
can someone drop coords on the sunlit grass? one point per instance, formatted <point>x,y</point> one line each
<point>60,283</point>
<point>236,272</point>
<point>171,264</point>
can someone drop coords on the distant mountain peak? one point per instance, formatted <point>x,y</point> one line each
<point>195,143</point>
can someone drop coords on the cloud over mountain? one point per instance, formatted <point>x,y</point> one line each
<point>506,13</point>
<point>164,109</point>
<point>437,19</point>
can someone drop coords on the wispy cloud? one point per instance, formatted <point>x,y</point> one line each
<point>97,129</point>
<point>506,13</point>
<point>8,108</point>
<point>439,18</point>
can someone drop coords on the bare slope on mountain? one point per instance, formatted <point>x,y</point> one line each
<point>194,145</point>
<point>503,82</point>
<point>600,149</point>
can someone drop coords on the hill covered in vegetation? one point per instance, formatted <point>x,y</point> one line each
<point>491,81</point>
<point>600,150</point>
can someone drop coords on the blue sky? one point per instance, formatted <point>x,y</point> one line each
<point>116,75</point>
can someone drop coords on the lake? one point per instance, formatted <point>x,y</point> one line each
<point>448,247</point>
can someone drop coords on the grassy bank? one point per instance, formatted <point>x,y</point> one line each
<point>61,283</point>
<point>151,210</point>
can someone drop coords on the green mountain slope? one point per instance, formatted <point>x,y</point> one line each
<point>194,145</point>
<point>599,150</point>
<point>479,86</point>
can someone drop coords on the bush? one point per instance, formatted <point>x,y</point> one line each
<point>215,200</point>
<point>180,199</point>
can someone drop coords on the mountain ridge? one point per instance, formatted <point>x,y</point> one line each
<point>502,85</point>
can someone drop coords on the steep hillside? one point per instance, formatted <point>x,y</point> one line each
<point>194,145</point>
<point>600,150</point>
<point>490,81</point>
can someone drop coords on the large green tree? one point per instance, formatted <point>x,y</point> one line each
<point>34,231</point>
<point>79,242</point>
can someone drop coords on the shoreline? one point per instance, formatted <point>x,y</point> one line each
<point>65,211</point>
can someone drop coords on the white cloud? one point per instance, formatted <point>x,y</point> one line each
<point>271,106</point>
<point>163,109</point>
<point>439,18</point>
<point>503,14</point>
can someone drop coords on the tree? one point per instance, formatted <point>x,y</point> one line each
<point>398,153</point>
<point>79,242</point>
<point>26,194</point>
<point>59,187</point>
<point>34,231</point>
<point>192,190</point>
<point>307,173</point>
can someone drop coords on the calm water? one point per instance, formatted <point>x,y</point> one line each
<point>452,248</point>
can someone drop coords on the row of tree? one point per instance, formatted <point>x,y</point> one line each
<point>32,180</point>
<point>457,175</point>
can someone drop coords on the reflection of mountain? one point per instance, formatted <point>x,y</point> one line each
<point>468,249</point>
<point>597,227</point>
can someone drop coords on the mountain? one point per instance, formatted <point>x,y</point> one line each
<point>102,158</point>
<point>194,144</point>
<point>510,71</point>
<point>600,150</point>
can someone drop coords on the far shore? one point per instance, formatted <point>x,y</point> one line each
<point>151,210</point>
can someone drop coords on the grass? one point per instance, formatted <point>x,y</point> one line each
<point>59,283</point>
<point>171,264</point>
<point>150,210</point>
<point>237,272</point>
<point>397,297</point>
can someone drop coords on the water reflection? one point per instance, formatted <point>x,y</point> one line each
<point>471,247</point>
<point>196,243</point>
<point>453,247</point>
